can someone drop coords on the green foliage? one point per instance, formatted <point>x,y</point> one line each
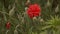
<point>14,12</point>
<point>54,21</point>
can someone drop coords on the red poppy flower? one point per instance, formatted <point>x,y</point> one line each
<point>8,25</point>
<point>33,10</point>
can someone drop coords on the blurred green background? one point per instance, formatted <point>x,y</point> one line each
<point>14,12</point>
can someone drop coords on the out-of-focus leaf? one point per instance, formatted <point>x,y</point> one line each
<point>54,21</point>
<point>15,32</point>
<point>11,12</point>
<point>30,30</point>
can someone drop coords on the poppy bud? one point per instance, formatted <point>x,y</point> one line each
<point>8,25</point>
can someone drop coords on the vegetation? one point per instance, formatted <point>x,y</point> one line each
<point>13,12</point>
